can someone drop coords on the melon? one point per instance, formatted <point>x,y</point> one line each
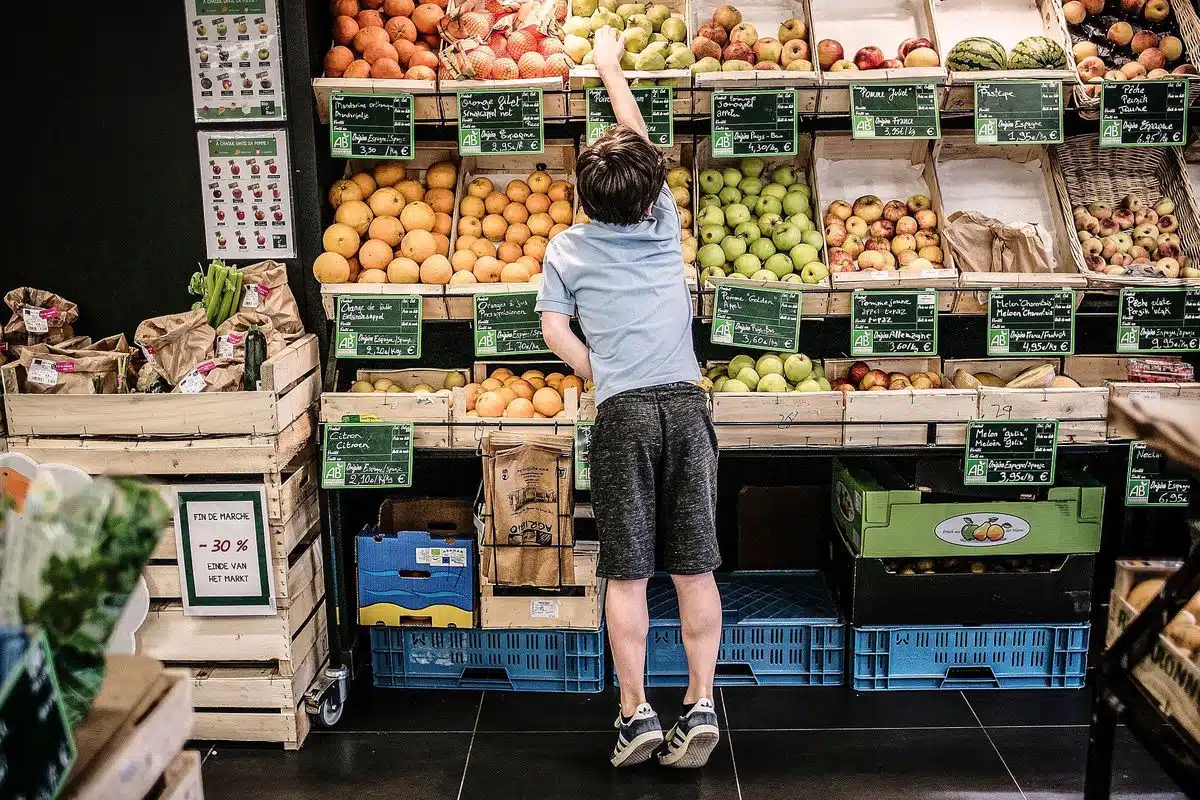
<point>1037,52</point>
<point>977,54</point>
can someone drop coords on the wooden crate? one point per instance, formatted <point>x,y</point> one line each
<point>1113,372</point>
<point>578,607</point>
<point>554,95</point>
<point>1008,22</point>
<point>181,779</point>
<point>425,95</point>
<point>1082,412</point>
<point>893,170</point>
<point>749,420</point>
<point>429,413</point>
<point>883,23</point>
<point>1021,188</point>
<point>136,727</point>
<point>290,379</point>
<point>558,159</point>
<point>904,416</point>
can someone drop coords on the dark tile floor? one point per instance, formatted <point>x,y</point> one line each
<point>831,744</point>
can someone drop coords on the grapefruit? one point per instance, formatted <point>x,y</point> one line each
<point>356,214</point>
<point>442,175</point>
<point>418,245</point>
<point>418,216</point>
<point>374,255</point>
<point>436,269</point>
<point>403,270</point>
<point>342,191</point>
<point>331,268</point>
<point>340,238</point>
<point>386,229</point>
<point>547,401</point>
<point>387,202</point>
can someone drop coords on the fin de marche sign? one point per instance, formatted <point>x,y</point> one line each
<point>371,126</point>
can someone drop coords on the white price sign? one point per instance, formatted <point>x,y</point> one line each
<point>224,555</point>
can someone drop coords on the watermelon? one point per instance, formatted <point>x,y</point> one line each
<point>977,54</point>
<point>1037,52</point>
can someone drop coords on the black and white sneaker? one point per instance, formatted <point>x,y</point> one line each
<point>692,739</point>
<point>637,737</point>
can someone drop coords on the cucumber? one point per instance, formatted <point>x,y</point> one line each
<point>256,354</point>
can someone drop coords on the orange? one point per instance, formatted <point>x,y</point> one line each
<point>442,222</point>
<point>442,243</point>
<point>462,277</point>
<point>356,214</point>
<point>556,230</point>
<point>418,245</point>
<point>471,206</point>
<point>539,182</point>
<point>532,373</point>
<point>471,392</point>
<point>403,270</point>
<point>554,378</point>
<point>521,408</point>
<point>517,191</point>
<point>538,203</point>
<point>489,404</point>
<point>462,259</point>
<point>521,388</point>
<point>494,227</point>
<point>508,252</point>
<point>507,395</point>
<point>331,268</point>
<point>469,226</point>
<point>500,373</point>
<point>436,269</point>
<point>418,216</point>
<point>374,254</point>
<point>389,173</point>
<point>411,191</point>
<point>372,276</point>
<point>483,247</point>
<point>537,383</point>
<point>441,200</point>
<point>515,273</point>
<point>465,240</point>
<point>535,247</point>
<point>386,202</point>
<point>486,269</point>
<point>559,190</point>
<point>340,238</point>
<point>480,187</point>
<point>534,266</point>
<point>546,401</point>
<point>441,175</point>
<point>386,229</point>
<point>490,384</point>
<point>515,212</point>
<point>495,203</point>
<point>366,183</point>
<point>560,212</point>
<point>518,234</point>
<point>540,224</point>
<point>570,382</point>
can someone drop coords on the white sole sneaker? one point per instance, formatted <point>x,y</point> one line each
<point>639,750</point>
<point>698,745</point>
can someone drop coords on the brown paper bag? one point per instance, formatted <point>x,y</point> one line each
<point>984,244</point>
<point>39,317</point>
<point>176,342</point>
<point>212,375</point>
<point>82,373</point>
<point>266,290</point>
<point>231,335</point>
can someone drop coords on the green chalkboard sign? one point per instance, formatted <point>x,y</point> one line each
<point>1031,322</point>
<point>371,125</point>
<point>754,123</point>
<point>655,103</point>
<point>894,111</point>
<point>1144,113</point>
<point>583,455</point>
<point>1159,321</point>
<point>387,326</point>
<point>756,316</point>
<point>1018,112</point>
<point>367,454</point>
<point>1010,452</point>
<point>495,122</point>
<point>902,323</point>
<point>1146,481</point>
<point>507,323</point>
<point>37,746</point>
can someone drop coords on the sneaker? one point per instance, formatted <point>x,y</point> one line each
<point>692,739</point>
<point>637,738</point>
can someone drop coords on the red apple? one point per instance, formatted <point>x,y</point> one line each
<point>829,51</point>
<point>868,58</point>
<point>858,371</point>
<point>891,63</point>
<point>908,45</point>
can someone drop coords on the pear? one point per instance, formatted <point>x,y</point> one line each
<point>640,21</point>
<point>681,59</point>
<point>707,64</point>
<point>658,14</point>
<point>627,10</point>
<point>585,8</point>
<point>651,62</point>
<point>675,29</point>
<point>636,40</point>
<point>736,65</point>
<point>577,26</point>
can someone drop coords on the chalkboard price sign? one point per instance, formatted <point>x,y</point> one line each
<point>655,103</point>
<point>893,323</point>
<point>1144,113</point>
<point>1018,112</point>
<point>495,122</point>
<point>368,455</point>
<point>1159,321</point>
<point>1031,322</point>
<point>378,327</point>
<point>756,317</point>
<point>1146,483</point>
<point>894,111</point>
<point>37,748</point>
<point>1010,452</point>
<point>371,125</point>
<point>507,323</point>
<point>583,455</point>
<point>754,123</point>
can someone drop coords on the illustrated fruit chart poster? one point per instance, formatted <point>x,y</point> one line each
<point>235,59</point>
<point>246,193</point>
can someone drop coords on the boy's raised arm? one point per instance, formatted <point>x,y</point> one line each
<point>606,55</point>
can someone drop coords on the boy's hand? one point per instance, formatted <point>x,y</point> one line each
<point>607,49</point>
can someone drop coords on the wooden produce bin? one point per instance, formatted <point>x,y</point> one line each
<point>433,305</point>
<point>554,95</point>
<point>766,17</point>
<point>429,413</point>
<point>578,606</point>
<point>1081,412</point>
<point>1085,173</point>
<point>1113,372</point>
<point>816,295</point>
<point>467,432</point>
<point>751,420</point>
<point>1008,22</point>
<point>892,170</point>
<point>882,23</point>
<point>425,95</point>
<point>1014,184</point>
<point>558,159</point>
<point>904,416</point>
<point>134,734</point>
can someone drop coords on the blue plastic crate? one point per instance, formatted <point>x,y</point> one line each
<point>958,657</point>
<point>512,660</point>
<point>779,629</point>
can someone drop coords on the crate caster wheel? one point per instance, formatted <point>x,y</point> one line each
<point>329,714</point>
<point>326,699</point>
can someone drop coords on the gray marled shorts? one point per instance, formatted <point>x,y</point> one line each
<point>654,472</point>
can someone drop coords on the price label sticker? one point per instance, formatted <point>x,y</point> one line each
<point>1030,322</point>
<point>367,455</point>
<point>1144,113</point>
<point>756,316</point>
<point>507,323</point>
<point>1010,452</point>
<point>754,123</point>
<point>495,122</point>
<point>1147,482</point>
<point>1159,321</point>
<point>583,455</point>
<point>893,323</point>
<point>655,102</point>
<point>388,326</point>
<point>36,320</point>
<point>1018,112</point>
<point>371,125</point>
<point>894,111</point>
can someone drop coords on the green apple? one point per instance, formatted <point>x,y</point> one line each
<point>768,205</point>
<point>712,215</point>
<point>786,236</point>
<point>712,234</point>
<point>711,272</point>
<point>748,376</point>
<point>710,255</point>
<point>710,200</point>
<point>824,384</point>
<point>813,238</point>
<point>762,248</point>
<point>747,264</point>
<point>718,383</point>
<point>749,200</point>
<point>751,185</point>
<point>733,246</point>
<point>776,190</point>
<point>714,372</point>
<point>749,231</point>
<point>738,363</point>
<point>797,367</point>
<point>772,383</point>
<point>818,371</point>
<point>784,175</point>
<point>752,167</point>
<point>795,203</point>
<point>802,188</point>
<point>730,194</point>
<point>801,221</point>
<point>731,176</point>
<point>792,277</point>
<point>711,181</point>
<point>767,223</point>
<point>779,265</point>
<point>809,384</point>
<point>764,275</point>
<point>803,253</point>
<point>734,385</point>
<point>814,272</point>
<point>767,364</point>
<point>736,214</point>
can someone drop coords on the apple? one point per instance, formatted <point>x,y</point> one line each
<point>1185,69</point>
<point>853,245</point>
<point>749,231</point>
<point>843,66</point>
<point>786,236</point>
<point>829,52</point>
<point>891,63</point>
<point>235,169</point>
<point>907,225</point>
<point>835,235</point>
<point>872,259</point>
<point>711,181</point>
<point>1156,10</point>
<point>894,210</point>
<point>858,371</point>
<point>883,229</point>
<point>841,209</point>
<point>220,214</point>
<point>259,215</point>
<point>931,253</point>
<point>782,175</point>
<point>217,193</point>
<point>814,272</point>
<point>262,240</point>
<point>712,254</point>
<point>767,223</point>
<point>1084,49</point>
<point>240,214</point>
<point>874,377</point>
<point>801,253</point>
<point>908,45</point>
<point>927,218</point>
<point>814,239</point>
<point>841,261</point>
<point>1132,7</point>
<point>903,242</point>
<point>278,216</point>
<point>868,58</point>
<point>768,49</point>
<point>868,208</point>
<point>797,367</point>
<point>779,265</point>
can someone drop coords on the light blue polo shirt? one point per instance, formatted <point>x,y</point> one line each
<point>626,284</point>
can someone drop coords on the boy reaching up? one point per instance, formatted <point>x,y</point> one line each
<point>654,454</point>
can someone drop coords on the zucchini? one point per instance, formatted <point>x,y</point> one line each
<point>256,354</point>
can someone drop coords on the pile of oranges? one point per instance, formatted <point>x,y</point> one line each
<point>531,395</point>
<point>503,234</point>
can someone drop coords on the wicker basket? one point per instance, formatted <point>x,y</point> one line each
<point>1085,173</point>
<point>1189,31</point>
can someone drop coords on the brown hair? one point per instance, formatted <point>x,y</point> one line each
<point>620,176</point>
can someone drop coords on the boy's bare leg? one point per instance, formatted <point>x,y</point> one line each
<point>700,615</point>
<point>628,622</point>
